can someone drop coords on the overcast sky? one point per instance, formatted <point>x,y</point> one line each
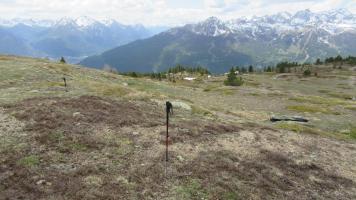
<point>160,12</point>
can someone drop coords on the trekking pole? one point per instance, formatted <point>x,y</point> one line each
<point>167,135</point>
<point>65,83</point>
<point>169,110</point>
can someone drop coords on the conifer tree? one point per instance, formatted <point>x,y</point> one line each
<point>232,79</point>
<point>62,60</point>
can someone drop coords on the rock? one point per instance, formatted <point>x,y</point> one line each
<point>183,130</point>
<point>135,133</point>
<point>95,181</point>
<point>122,179</point>
<point>180,104</point>
<point>65,168</point>
<point>180,158</point>
<point>41,182</point>
<point>77,114</point>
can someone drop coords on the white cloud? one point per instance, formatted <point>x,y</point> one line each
<point>160,12</point>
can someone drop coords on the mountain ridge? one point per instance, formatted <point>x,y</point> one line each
<point>71,38</point>
<point>260,41</point>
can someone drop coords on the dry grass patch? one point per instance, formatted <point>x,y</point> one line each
<point>200,111</point>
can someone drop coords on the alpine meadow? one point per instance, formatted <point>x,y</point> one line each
<point>177,100</point>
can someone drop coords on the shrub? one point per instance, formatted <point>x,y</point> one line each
<point>284,67</point>
<point>318,62</point>
<point>232,79</point>
<point>250,69</point>
<point>307,72</point>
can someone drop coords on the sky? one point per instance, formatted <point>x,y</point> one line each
<point>161,12</point>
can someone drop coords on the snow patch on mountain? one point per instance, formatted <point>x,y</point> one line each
<point>333,21</point>
<point>85,21</point>
<point>81,22</point>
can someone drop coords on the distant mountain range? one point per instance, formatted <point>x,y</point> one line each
<point>74,39</point>
<point>219,45</point>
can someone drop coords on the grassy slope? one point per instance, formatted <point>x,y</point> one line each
<point>110,157</point>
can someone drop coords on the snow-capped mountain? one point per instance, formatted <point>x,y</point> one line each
<point>82,22</point>
<point>303,36</point>
<point>68,37</point>
<point>334,21</point>
<point>27,22</point>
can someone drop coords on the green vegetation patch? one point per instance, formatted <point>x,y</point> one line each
<point>77,146</point>
<point>341,95</point>
<point>231,196</point>
<point>351,133</point>
<point>124,146</point>
<point>210,88</point>
<point>351,107</point>
<point>109,89</point>
<point>61,68</point>
<point>56,137</point>
<point>227,91</point>
<point>311,109</point>
<point>324,91</point>
<point>192,190</point>
<point>318,100</point>
<point>29,161</point>
<point>298,128</point>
